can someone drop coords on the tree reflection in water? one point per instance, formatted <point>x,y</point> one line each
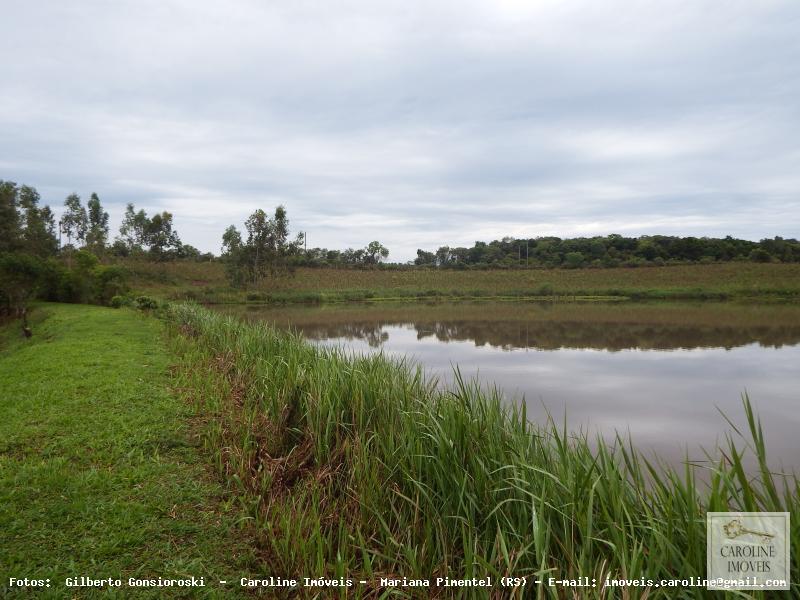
<point>551,327</point>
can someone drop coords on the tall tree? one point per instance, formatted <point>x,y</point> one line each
<point>161,236</point>
<point>127,229</point>
<point>259,234</point>
<point>38,233</point>
<point>233,256</point>
<point>97,234</point>
<point>375,252</point>
<point>425,258</point>
<point>133,231</point>
<point>231,241</point>
<point>74,222</point>
<point>266,251</point>
<point>9,219</point>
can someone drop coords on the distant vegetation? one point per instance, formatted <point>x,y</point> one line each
<point>75,260</point>
<point>207,283</point>
<point>609,251</point>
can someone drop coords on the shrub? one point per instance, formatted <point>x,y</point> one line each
<point>20,276</point>
<point>75,286</point>
<point>760,255</point>
<point>118,302</point>
<point>109,282</point>
<point>184,295</point>
<point>573,260</point>
<point>546,289</point>
<point>146,303</point>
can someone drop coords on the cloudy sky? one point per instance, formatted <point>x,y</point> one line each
<point>414,123</point>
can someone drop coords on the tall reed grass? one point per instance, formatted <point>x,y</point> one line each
<point>359,466</point>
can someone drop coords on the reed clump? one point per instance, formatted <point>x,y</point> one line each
<point>359,466</point>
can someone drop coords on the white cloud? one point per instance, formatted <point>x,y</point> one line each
<point>416,123</point>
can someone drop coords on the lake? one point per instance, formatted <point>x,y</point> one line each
<point>661,371</point>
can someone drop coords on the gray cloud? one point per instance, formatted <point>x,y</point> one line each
<point>415,123</point>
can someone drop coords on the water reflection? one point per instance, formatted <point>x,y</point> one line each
<point>510,335</point>
<point>660,371</point>
<point>551,326</point>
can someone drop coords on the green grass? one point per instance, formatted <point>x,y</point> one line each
<point>205,282</point>
<point>359,466</point>
<point>339,466</point>
<point>100,474</point>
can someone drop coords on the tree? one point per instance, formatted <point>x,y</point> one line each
<point>139,233</point>
<point>133,230</point>
<point>187,251</point>
<point>9,219</point>
<point>231,241</point>
<point>573,260</point>
<point>160,236</point>
<point>20,276</point>
<point>267,243</point>
<point>127,232</point>
<point>443,256</point>
<point>353,257</point>
<point>425,258</point>
<point>266,251</point>
<point>259,233</point>
<point>374,252</point>
<point>38,224</point>
<point>74,221</point>
<point>97,234</point>
<point>760,255</point>
<point>233,256</point>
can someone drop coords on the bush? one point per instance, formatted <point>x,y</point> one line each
<point>146,303</point>
<point>546,289</point>
<point>75,286</point>
<point>760,255</point>
<point>118,302</point>
<point>573,260</point>
<point>20,276</point>
<point>109,282</point>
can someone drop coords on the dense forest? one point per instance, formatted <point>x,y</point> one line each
<point>609,251</point>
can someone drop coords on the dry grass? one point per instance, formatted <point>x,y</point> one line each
<point>206,282</point>
<point>723,277</point>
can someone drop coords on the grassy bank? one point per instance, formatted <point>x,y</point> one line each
<point>99,473</point>
<point>205,282</point>
<point>356,466</point>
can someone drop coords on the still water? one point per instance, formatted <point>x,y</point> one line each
<point>662,372</point>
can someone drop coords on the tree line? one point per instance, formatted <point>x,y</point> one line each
<point>267,251</point>
<point>372,254</point>
<point>33,262</point>
<point>608,251</point>
<point>62,260</point>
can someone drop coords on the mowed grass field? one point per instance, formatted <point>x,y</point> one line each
<point>100,475</point>
<point>206,282</point>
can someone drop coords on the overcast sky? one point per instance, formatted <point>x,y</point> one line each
<point>414,123</point>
